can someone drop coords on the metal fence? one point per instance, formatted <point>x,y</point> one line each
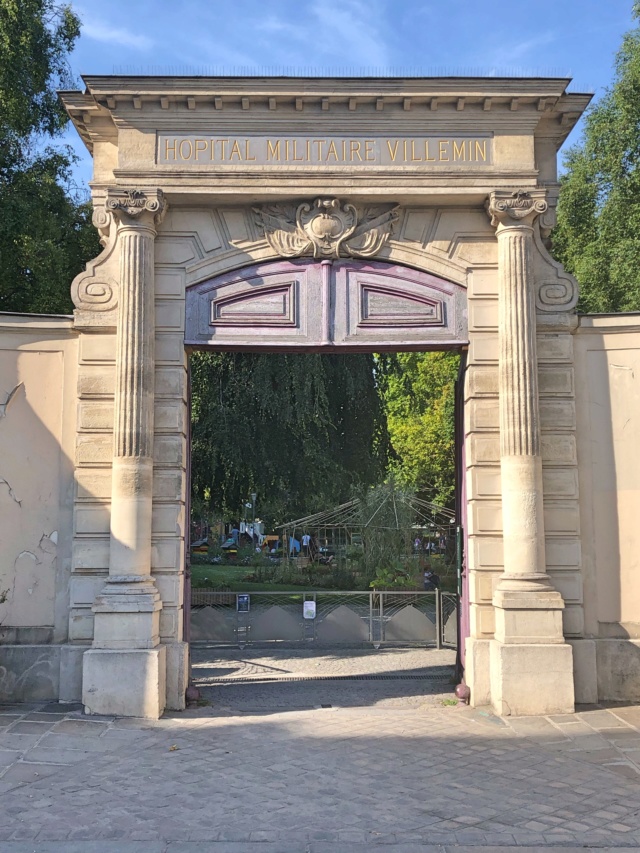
<point>327,618</point>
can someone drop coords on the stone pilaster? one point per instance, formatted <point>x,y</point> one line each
<point>123,672</point>
<point>530,661</point>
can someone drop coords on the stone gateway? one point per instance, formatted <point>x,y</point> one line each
<point>361,214</point>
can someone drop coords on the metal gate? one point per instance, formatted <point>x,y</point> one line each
<point>326,618</point>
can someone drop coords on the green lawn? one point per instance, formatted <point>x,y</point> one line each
<point>203,576</point>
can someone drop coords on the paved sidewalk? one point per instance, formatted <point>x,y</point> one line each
<point>266,769</point>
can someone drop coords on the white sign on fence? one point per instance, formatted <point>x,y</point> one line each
<point>309,610</point>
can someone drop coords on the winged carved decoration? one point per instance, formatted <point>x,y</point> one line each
<point>327,228</point>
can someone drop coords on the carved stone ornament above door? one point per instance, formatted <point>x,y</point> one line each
<point>326,228</point>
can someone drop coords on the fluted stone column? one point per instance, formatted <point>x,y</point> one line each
<point>531,665</point>
<point>124,672</point>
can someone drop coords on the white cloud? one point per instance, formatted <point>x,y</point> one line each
<point>103,32</point>
<point>275,25</point>
<point>345,35</point>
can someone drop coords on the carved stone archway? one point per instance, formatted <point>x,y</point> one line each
<point>190,236</point>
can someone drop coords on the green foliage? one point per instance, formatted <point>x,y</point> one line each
<point>385,526</point>
<point>598,233</point>
<point>395,576</point>
<point>420,405</point>
<point>300,430</point>
<point>36,37</point>
<point>45,239</point>
<point>45,235</point>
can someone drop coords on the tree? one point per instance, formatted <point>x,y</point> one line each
<point>45,233</point>
<point>420,404</point>
<point>302,430</point>
<point>598,233</point>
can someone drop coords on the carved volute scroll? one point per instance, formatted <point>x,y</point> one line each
<point>95,291</point>
<point>326,228</point>
<point>556,290</point>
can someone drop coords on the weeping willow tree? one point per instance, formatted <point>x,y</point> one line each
<point>301,430</point>
<point>386,519</point>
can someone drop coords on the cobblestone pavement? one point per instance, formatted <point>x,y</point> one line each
<point>396,767</point>
<point>259,679</point>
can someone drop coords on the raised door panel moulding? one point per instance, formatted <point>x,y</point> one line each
<point>380,306</point>
<point>262,305</point>
<point>265,306</point>
<point>391,305</point>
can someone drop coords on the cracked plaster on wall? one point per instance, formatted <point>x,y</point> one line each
<point>12,494</point>
<point>4,407</point>
<point>33,574</point>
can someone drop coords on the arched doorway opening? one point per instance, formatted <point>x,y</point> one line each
<point>331,306</point>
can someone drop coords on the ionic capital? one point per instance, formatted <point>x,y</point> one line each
<point>509,208</point>
<point>143,208</point>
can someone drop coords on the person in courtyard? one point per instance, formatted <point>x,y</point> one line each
<point>306,541</point>
<point>431,580</point>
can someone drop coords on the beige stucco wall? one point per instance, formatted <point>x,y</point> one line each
<point>38,368</point>
<point>608,395</point>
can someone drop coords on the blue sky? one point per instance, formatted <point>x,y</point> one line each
<point>577,38</point>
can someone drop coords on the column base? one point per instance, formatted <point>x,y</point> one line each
<point>527,616</point>
<point>124,682</point>
<point>127,614</point>
<point>531,678</point>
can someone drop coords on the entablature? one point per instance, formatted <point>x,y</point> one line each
<point>327,104</point>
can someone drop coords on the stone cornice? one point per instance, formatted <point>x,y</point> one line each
<point>395,86</point>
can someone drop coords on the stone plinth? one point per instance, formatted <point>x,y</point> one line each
<point>124,682</point>
<point>531,679</point>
